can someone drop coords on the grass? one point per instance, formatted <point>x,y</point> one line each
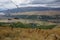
<point>29,34</point>
<point>31,31</point>
<point>30,25</point>
<point>46,26</point>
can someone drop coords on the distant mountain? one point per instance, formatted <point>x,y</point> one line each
<point>28,9</point>
<point>40,13</point>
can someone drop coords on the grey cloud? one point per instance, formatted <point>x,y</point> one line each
<point>6,4</point>
<point>44,1</point>
<point>48,3</point>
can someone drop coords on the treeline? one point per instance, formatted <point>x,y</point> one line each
<point>30,25</point>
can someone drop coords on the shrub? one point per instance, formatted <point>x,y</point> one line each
<point>4,24</point>
<point>18,24</point>
<point>30,25</point>
<point>46,26</point>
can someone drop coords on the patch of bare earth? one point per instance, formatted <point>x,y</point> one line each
<point>7,33</point>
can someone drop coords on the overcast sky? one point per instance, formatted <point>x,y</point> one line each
<point>9,4</point>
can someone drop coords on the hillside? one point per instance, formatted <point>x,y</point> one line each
<point>50,16</point>
<point>53,16</point>
<point>7,33</point>
<point>49,12</point>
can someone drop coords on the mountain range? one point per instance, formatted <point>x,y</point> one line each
<point>41,13</point>
<point>29,9</point>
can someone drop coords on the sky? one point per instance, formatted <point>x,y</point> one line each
<point>10,4</point>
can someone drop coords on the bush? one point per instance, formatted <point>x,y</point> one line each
<point>30,25</point>
<point>46,26</point>
<point>4,24</point>
<point>21,25</point>
<point>18,24</point>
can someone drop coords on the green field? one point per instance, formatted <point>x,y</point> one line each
<point>29,25</point>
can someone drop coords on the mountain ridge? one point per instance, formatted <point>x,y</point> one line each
<point>28,9</point>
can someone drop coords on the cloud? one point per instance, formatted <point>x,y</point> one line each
<point>21,1</point>
<point>2,8</point>
<point>1,13</point>
<point>9,4</point>
<point>6,4</point>
<point>43,1</point>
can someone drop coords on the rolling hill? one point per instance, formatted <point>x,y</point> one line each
<point>41,13</point>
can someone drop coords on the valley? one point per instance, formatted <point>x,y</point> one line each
<point>48,16</point>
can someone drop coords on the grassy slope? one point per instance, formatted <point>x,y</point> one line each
<point>38,13</point>
<point>6,33</point>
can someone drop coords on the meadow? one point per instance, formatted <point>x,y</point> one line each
<point>7,33</point>
<point>31,31</point>
<point>27,25</point>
